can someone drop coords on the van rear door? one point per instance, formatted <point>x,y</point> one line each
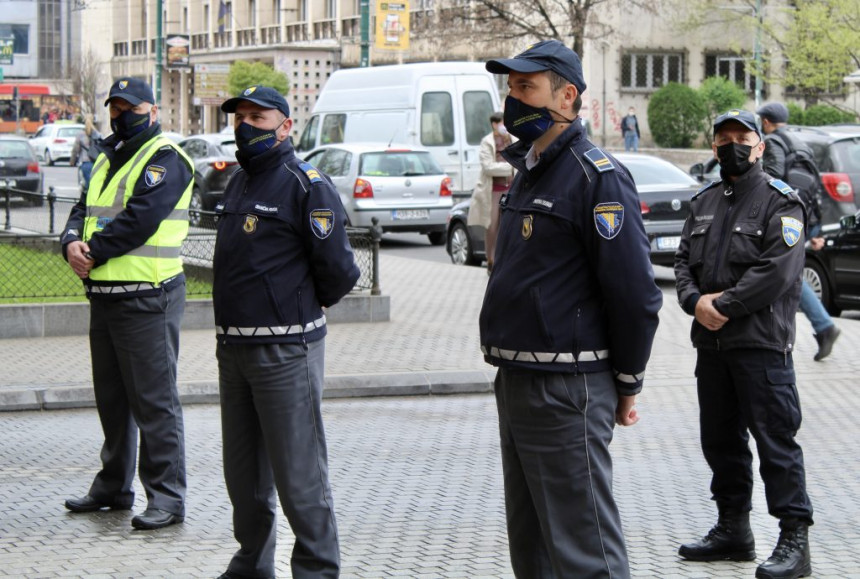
<point>454,115</point>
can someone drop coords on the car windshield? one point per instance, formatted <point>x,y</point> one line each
<point>228,148</point>
<point>70,132</point>
<point>654,172</point>
<point>846,155</point>
<point>398,164</point>
<point>14,150</point>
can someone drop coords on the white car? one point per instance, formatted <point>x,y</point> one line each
<point>54,142</point>
<point>402,186</point>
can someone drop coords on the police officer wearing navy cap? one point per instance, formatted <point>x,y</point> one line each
<point>281,256</point>
<point>738,272</point>
<point>123,239</point>
<point>569,317</point>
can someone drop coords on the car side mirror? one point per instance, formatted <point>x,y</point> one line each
<point>698,171</point>
<point>848,222</point>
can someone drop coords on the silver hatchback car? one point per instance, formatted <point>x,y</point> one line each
<point>402,186</point>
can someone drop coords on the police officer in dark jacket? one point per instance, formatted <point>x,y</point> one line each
<point>123,239</point>
<point>281,256</point>
<point>738,272</point>
<point>569,317</point>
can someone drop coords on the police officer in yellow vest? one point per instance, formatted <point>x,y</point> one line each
<point>123,239</point>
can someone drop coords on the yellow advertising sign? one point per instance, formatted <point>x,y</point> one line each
<point>392,25</point>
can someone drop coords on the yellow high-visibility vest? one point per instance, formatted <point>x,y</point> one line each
<point>159,258</point>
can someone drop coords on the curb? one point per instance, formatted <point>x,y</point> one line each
<point>206,391</point>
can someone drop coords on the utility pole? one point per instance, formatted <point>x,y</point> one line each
<point>159,49</point>
<point>365,33</point>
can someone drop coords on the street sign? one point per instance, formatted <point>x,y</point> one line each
<point>210,84</point>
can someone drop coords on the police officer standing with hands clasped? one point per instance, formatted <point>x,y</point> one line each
<point>281,255</point>
<point>738,272</point>
<point>123,239</point>
<point>569,317</point>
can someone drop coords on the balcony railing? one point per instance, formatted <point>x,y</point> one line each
<point>199,41</point>
<point>296,32</point>
<point>246,37</point>
<point>324,29</point>
<point>350,27</point>
<point>138,47</point>
<point>270,35</point>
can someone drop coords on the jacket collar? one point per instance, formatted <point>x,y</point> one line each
<point>749,180</point>
<point>275,156</point>
<point>516,154</point>
<point>119,152</point>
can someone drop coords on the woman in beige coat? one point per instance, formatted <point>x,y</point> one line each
<point>495,179</point>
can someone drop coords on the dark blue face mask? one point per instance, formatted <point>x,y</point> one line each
<point>526,122</point>
<point>253,141</point>
<point>129,124</point>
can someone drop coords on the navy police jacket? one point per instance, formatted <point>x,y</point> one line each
<point>744,239</point>
<point>572,287</point>
<point>281,253</point>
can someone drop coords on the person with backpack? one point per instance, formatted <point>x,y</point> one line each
<point>792,161</point>
<point>85,151</point>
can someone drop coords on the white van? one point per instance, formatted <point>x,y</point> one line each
<point>443,106</point>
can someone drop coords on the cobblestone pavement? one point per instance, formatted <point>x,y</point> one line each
<point>417,485</point>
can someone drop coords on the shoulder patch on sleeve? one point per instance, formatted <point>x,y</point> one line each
<point>599,159</point>
<point>154,174</point>
<point>311,171</point>
<point>781,186</point>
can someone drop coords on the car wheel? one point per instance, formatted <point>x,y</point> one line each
<point>49,160</point>
<point>436,237</point>
<point>460,246</point>
<point>195,206</point>
<point>813,274</point>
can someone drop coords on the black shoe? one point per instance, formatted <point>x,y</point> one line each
<point>825,340</point>
<point>731,539</point>
<point>155,519</point>
<point>88,504</point>
<point>790,558</point>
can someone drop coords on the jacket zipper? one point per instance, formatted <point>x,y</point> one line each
<point>719,256</point>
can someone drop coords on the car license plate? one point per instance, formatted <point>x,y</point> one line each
<point>409,214</point>
<point>668,242</point>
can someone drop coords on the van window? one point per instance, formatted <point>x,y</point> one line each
<point>332,129</point>
<point>309,136</point>
<point>477,108</point>
<point>437,119</point>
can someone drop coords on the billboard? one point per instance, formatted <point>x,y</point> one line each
<point>210,84</point>
<point>7,50</point>
<point>392,25</point>
<point>178,47</point>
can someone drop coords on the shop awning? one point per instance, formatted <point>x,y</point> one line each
<point>25,90</point>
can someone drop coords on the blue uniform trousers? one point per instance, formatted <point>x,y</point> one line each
<point>743,391</point>
<point>555,434</point>
<point>274,439</point>
<point>134,345</point>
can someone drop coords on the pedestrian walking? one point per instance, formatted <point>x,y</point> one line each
<point>737,273</point>
<point>780,158</point>
<point>493,182</point>
<point>85,151</point>
<point>569,317</point>
<point>281,256</point>
<point>123,239</point>
<point>630,131</point>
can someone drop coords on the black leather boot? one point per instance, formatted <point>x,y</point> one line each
<point>825,340</point>
<point>731,539</point>
<point>790,558</point>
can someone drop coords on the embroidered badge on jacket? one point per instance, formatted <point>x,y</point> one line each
<point>322,222</point>
<point>791,230</point>
<point>250,225</point>
<point>608,218</point>
<point>528,226</point>
<point>154,174</point>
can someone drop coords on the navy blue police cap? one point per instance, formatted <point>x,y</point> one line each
<point>264,96</point>
<point>745,118</point>
<point>545,55</point>
<point>774,112</point>
<point>133,90</point>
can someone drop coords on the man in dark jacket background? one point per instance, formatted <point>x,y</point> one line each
<point>281,256</point>
<point>737,272</point>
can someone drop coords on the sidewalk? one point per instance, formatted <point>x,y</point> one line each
<point>430,346</point>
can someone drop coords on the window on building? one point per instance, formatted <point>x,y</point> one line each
<point>276,9</point>
<point>228,16</point>
<point>650,71</point>
<point>252,13</point>
<point>730,66</point>
<point>20,34</point>
<point>331,8</point>
<point>206,17</point>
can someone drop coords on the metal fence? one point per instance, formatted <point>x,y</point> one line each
<point>32,266</point>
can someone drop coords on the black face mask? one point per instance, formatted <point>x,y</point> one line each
<point>734,159</point>
<point>129,124</point>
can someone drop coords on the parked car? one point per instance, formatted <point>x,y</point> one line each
<point>54,142</point>
<point>834,271</point>
<point>214,157</point>
<point>664,200</point>
<point>19,169</point>
<point>837,153</point>
<point>402,186</point>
